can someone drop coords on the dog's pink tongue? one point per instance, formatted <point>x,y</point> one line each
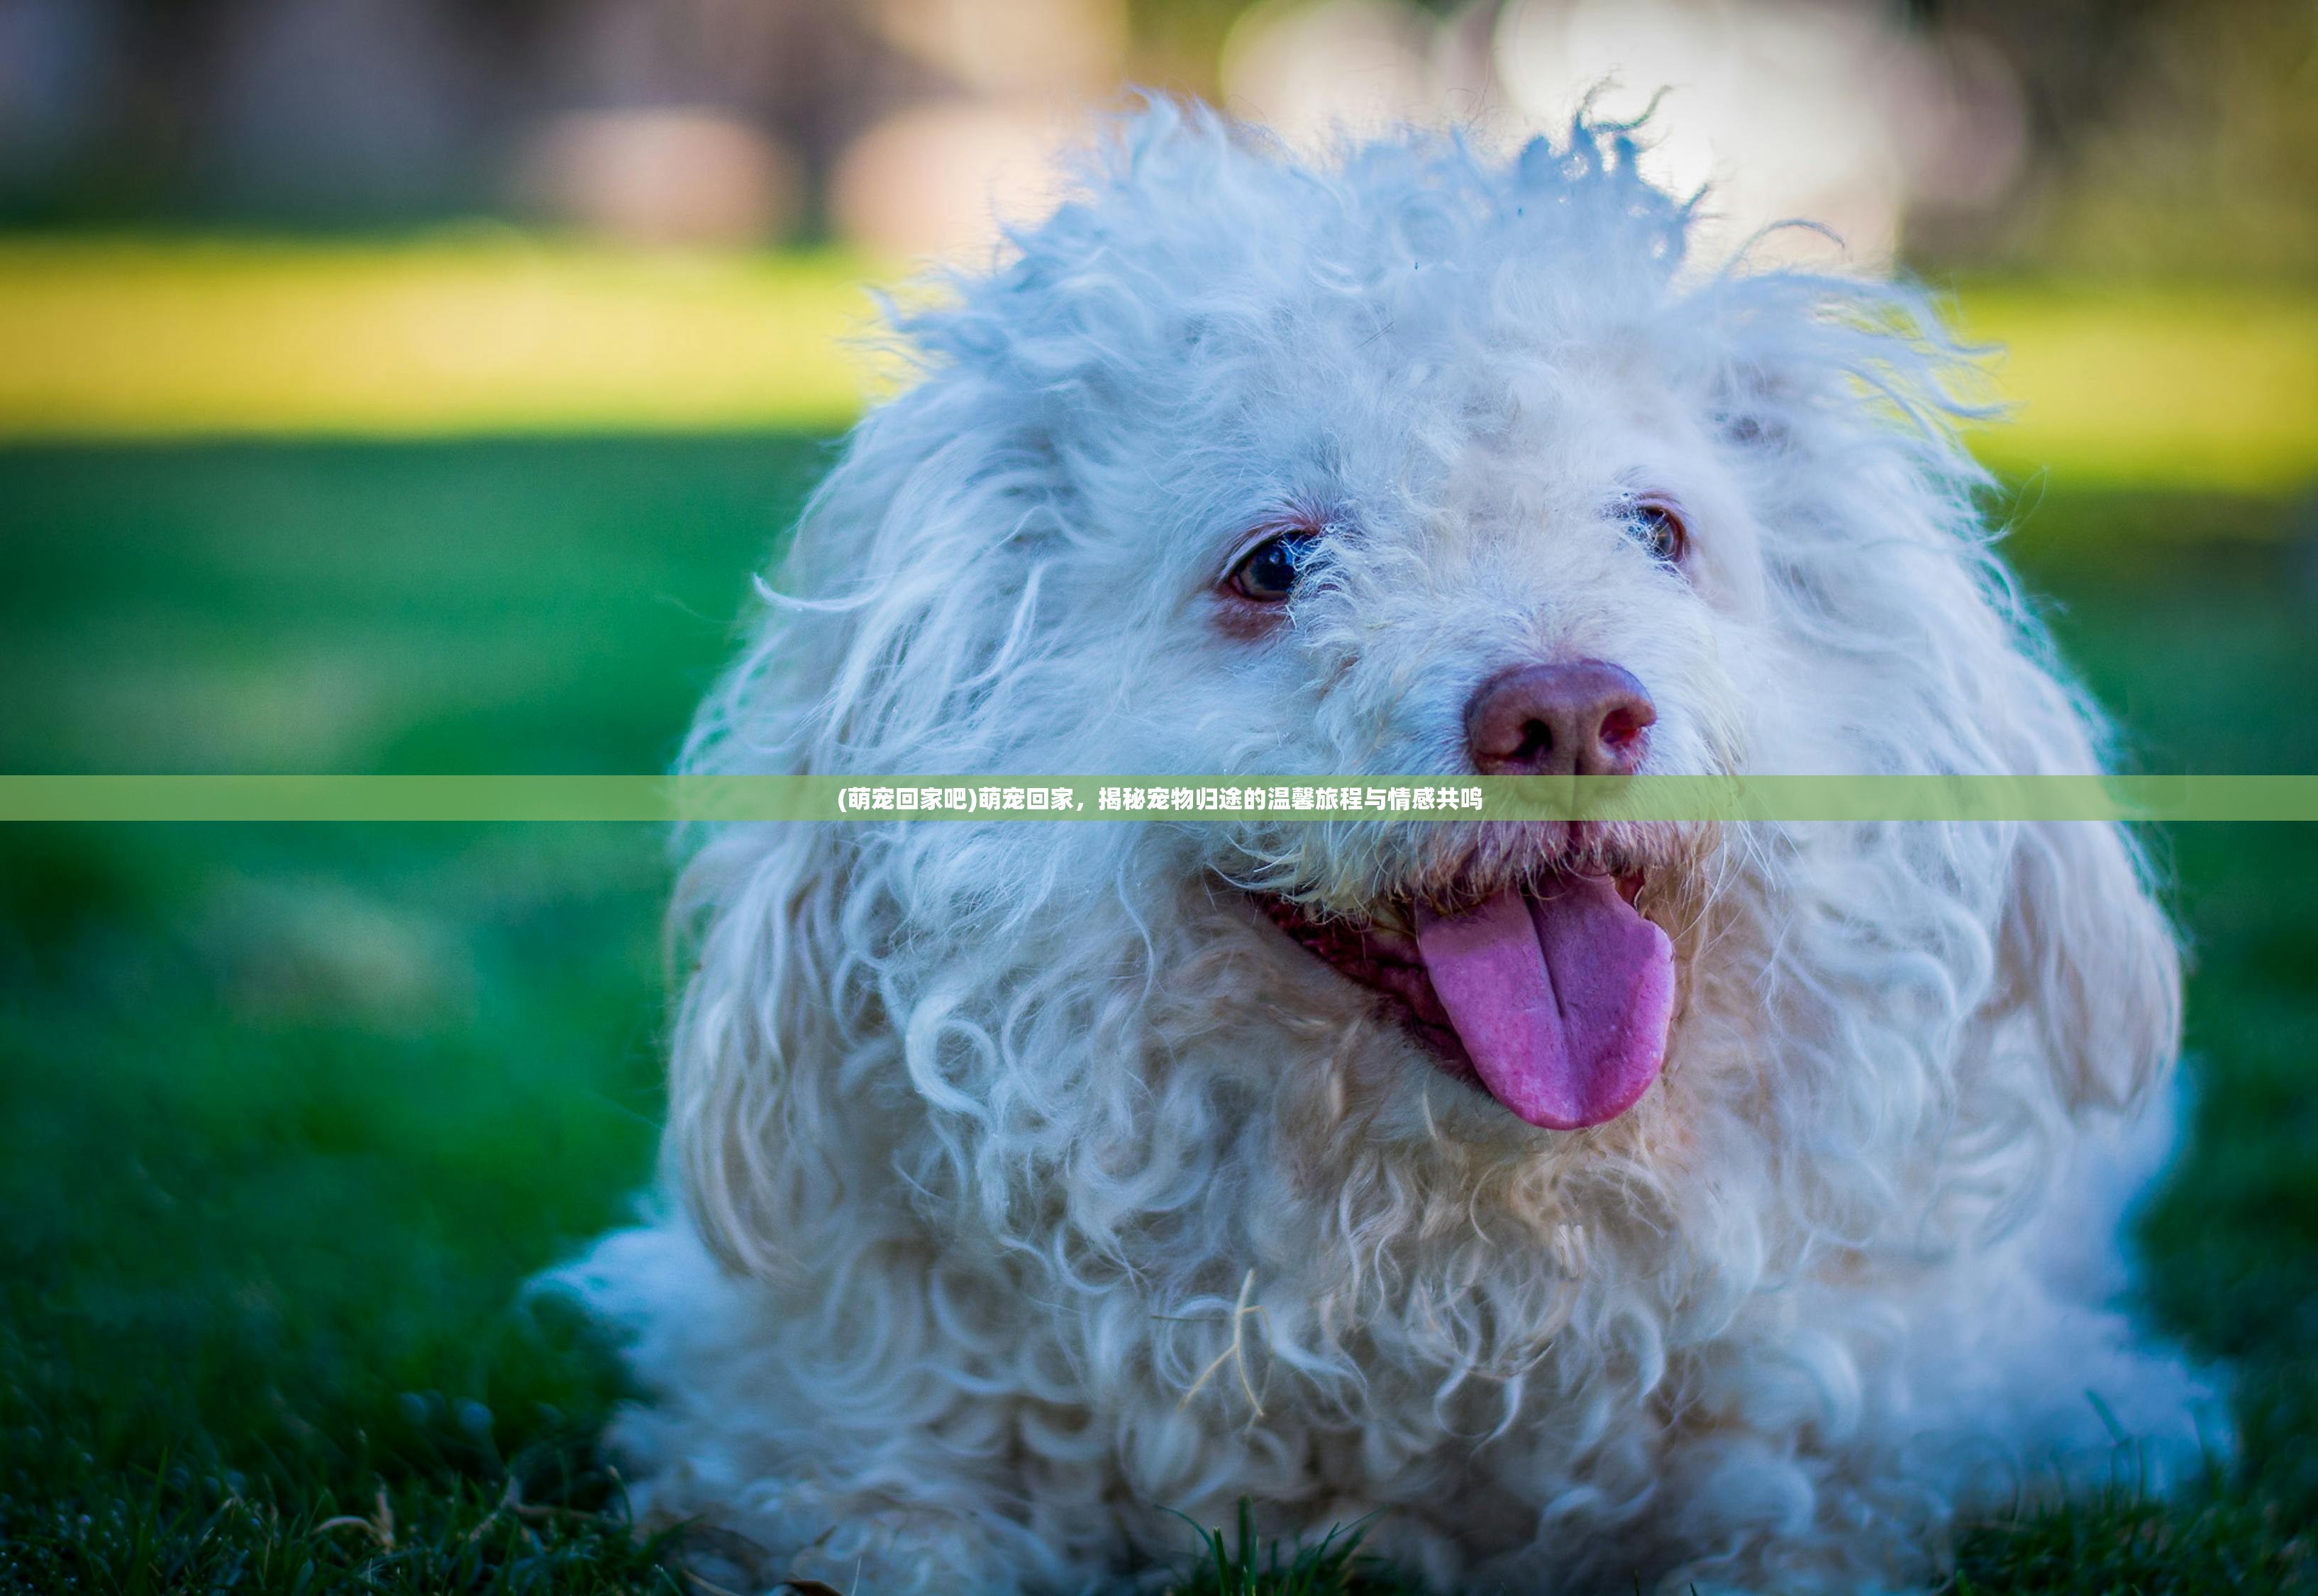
<point>1562,1000</point>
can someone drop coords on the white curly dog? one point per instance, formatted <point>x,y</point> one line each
<point>1578,1207</point>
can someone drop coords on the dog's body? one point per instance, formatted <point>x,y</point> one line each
<point>1039,1179</point>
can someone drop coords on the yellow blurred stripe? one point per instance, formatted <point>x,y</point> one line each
<point>493,331</point>
<point>2153,387</point>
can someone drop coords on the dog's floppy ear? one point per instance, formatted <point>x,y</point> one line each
<point>774,918</point>
<point>2083,952</point>
<point>2086,955</point>
<point>1840,402</point>
<point>746,1145</point>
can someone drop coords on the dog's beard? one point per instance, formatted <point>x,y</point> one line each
<point>1519,957</point>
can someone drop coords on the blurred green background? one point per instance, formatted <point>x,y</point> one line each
<point>396,386</point>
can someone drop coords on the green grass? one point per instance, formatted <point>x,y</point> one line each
<point>288,1115</point>
<point>1244,1564</point>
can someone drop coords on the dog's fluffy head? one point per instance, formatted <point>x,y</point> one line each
<point>1505,423</point>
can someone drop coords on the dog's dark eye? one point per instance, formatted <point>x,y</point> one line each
<point>1659,527</point>
<point>1268,573</point>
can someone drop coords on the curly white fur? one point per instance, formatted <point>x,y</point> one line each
<point>992,1140</point>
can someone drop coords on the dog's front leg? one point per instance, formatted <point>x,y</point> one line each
<point>861,1428</point>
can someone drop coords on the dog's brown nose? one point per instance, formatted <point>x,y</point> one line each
<point>1585,718</point>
